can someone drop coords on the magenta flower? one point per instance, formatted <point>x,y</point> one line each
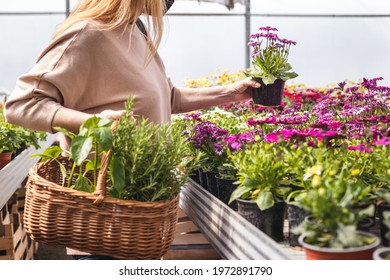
<point>270,56</point>
<point>361,148</point>
<point>272,137</point>
<point>268,28</point>
<point>384,141</point>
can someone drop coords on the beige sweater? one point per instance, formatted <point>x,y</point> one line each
<point>90,70</point>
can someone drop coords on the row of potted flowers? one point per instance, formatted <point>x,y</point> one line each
<point>323,152</point>
<point>14,139</point>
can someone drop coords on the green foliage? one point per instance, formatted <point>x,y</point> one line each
<point>86,150</point>
<point>146,157</point>
<point>336,188</point>
<point>14,137</point>
<point>260,173</point>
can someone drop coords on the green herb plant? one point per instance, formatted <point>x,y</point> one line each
<point>86,149</point>
<point>149,159</point>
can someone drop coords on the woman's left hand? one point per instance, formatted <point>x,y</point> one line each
<point>243,89</point>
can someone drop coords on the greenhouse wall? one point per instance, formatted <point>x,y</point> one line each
<point>337,40</point>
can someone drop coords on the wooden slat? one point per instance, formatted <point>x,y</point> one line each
<point>186,227</point>
<point>190,239</point>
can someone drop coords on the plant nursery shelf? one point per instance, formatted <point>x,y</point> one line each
<point>231,235</point>
<point>13,174</point>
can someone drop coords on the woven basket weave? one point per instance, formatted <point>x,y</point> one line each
<point>92,222</point>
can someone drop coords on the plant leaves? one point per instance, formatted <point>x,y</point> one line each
<point>80,148</point>
<point>117,176</point>
<point>104,137</point>
<point>269,79</point>
<point>66,132</point>
<point>237,193</point>
<point>265,200</point>
<point>82,184</point>
<point>50,153</point>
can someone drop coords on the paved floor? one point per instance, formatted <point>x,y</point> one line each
<point>46,252</point>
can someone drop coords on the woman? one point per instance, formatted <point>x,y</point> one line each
<point>97,58</point>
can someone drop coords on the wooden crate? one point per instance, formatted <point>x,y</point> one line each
<point>190,243</point>
<point>14,242</point>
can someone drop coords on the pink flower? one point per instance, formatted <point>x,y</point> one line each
<point>272,138</point>
<point>361,148</point>
<point>384,141</point>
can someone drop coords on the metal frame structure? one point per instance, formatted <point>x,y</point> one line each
<point>232,236</point>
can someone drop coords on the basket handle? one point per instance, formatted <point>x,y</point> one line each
<point>102,176</point>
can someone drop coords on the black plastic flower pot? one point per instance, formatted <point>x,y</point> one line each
<point>268,95</point>
<point>202,178</point>
<point>225,190</point>
<point>212,183</point>
<point>195,176</point>
<point>383,228</point>
<point>365,224</point>
<point>295,216</point>
<point>269,221</point>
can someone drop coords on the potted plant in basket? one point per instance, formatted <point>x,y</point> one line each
<point>270,65</point>
<point>332,233</point>
<point>259,193</point>
<point>118,191</point>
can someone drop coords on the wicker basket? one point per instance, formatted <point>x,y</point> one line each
<point>92,222</point>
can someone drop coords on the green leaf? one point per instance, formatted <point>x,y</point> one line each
<point>63,172</point>
<point>251,183</point>
<point>104,137</point>
<point>237,193</point>
<point>64,131</point>
<point>117,175</point>
<point>348,236</point>
<point>82,184</point>
<point>269,79</point>
<point>50,153</point>
<point>80,148</point>
<point>87,127</point>
<point>105,122</point>
<point>265,200</point>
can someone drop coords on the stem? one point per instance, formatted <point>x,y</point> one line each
<point>71,174</point>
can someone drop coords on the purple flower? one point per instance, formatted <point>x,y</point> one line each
<point>342,85</point>
<point>268,28</point>
<point>271,138</point>
<point>287,42</point>
<point>384,141</point>
<point>361,148</point>
<point>235,146</point>
<point>193,116</point>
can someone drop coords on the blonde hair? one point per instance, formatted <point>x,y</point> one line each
<point>115,13</point>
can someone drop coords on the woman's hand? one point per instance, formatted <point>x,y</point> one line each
<point>111,114</point>
<point>243,89</point>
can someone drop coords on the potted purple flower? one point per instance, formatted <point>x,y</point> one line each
<point>270,65</point>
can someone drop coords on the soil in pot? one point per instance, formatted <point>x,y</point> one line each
<point>269,221</point>
<point>5,158</point>
<point>269,95</point>
<point>356,253</point>
<point>212,183</point>
<point>295,216</point>
<point>225,189</point>
<point>383,228</point>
